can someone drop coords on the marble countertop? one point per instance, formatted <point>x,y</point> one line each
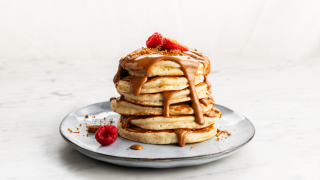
<point>280,96</point>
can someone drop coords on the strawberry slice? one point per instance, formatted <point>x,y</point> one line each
<point>171,44</point>
<point>154,40</point>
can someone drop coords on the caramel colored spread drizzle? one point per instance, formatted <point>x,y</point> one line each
<point>167,95</point>
<point>208,100</point>
<point>182,136</point>
<point>136,147</point>
<point>142,60</point>
<point>204,102</point>
<point>142,64</point>
<point>213,112</point>
<point>125,120</point>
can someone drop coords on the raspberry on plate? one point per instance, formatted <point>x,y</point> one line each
<point>154,40</point>
<point>106,134</point>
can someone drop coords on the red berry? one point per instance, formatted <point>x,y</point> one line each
<point>171,44</point>
<point>106,134</point>
<point>154,40</point>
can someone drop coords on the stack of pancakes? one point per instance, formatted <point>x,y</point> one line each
<point>165,97</point>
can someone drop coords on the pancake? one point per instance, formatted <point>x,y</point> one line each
<point>165,136</point>
<point>173,122</point>
<point>170,68</point>
<point>157,84</point>
<point>163,99</point>
<point>156,99</point>
<point>127,108</point>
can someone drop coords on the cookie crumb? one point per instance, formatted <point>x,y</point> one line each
<point>72,131</point>
<point>111,121</point>
<point>193,147</point>
<point>93,128</point>
<point>219,132</point>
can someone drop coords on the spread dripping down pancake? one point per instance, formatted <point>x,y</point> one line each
<point>141,66</point>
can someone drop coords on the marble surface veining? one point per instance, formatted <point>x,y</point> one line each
<point>280,96</point>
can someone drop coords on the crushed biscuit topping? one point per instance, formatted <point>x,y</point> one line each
<point>151,51</point>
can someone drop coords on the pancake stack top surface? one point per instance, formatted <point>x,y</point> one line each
<point>164,99</point>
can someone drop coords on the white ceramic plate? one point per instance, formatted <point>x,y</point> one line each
<point>153,156</point>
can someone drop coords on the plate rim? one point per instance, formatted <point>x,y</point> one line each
<point>74,145</point>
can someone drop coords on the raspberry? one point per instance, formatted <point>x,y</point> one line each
<point>154,40</point>
<point>106,134</point>
<point>171,44</point>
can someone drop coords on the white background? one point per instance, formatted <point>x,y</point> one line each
<point>102,29</point>
<point>58,56</point>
